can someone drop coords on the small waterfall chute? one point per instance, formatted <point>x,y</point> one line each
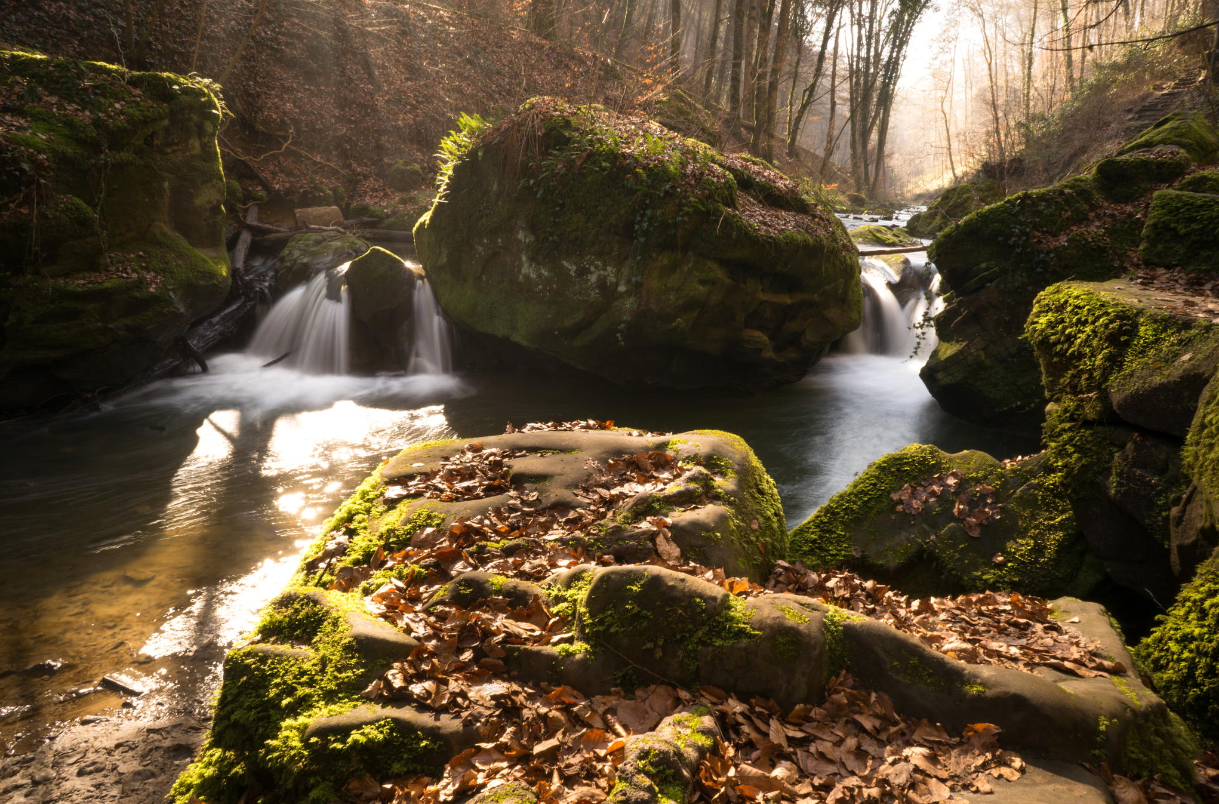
<point>310,325</point>
<point>431,346</point>
<point>888,326</point>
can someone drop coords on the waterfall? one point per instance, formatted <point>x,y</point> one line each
<point>431,350</point>
<point>309,324</point>
<point>890,327</point>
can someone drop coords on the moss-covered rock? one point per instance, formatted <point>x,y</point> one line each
<point>621,248</point>
<point>953,205</point>
<point>998,259</point>
<point>1188,130</point>
<point>405,175</point>
<point>1033,544</point>
<point>313,252</point>
<point>875,235</point>
<point>381,287</point>
<point>1182,654</point>
<point>409,208</point>
<point>1182,231</point>
<point>111,243</point>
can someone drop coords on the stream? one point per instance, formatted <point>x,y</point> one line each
<point>141,540</point>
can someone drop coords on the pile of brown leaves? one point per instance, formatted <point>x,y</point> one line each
<point>571,427</point>
<point>1129,790</point>
<point>973,506</point>
<point>472,474</point>
<point>1004,629</point>
<point>852,748</point>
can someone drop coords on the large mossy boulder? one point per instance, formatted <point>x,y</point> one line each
<point>1182,231</point>
<point>626,250</point>
<point>953,205</point>
<point>1128,378</point>
<point>996,261</point>
<point>111,241</point>
<point>931,523</point>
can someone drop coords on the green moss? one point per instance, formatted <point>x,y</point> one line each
<point>1161,745</point>
<point>837,659</point>
<point>826,538</point>
<point>1127,689</point>
<point>909,668</point>
<point>787,646</point>
<point>953,205</point>
<point>1180,231</point>
<point>1190,131</point>
<point>1181,654</point>
<point>793,614</point>
<point>1100,747</point>
<point>406,573</point>
<point>1204,181</point>
<point>974,689</point>
<point>876,235</point>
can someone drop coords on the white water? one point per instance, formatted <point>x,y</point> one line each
<point>888,326</point>
<point>431,347</point>
<point>310,325</point>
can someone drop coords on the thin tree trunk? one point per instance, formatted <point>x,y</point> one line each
<point>154,23</point>
<point>829,129</point>
<point>760,82</point>
<point>791,89</point>
<point>738,57</point>
<point>810,91</point>
<point>675,38</point>
<point>1066,43</point>
<point>750,59</point>
<point>194,59</point>
<point>1028,70</point>
<point>245,40</point>
<point>544,19</point>
<point>628,19</point>
<point>129,24</point>
<point>715,36</point>
<point>772,88</point>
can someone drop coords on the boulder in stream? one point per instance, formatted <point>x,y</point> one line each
<point>113,243</point>
<point>626,250</point>
<point>310,253</point>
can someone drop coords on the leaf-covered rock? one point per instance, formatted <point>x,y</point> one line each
<point>626,250</point>
<point>111,240</point>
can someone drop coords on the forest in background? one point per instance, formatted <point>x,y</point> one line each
<point>903,95</point>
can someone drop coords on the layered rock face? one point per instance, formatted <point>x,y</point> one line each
<point>997,260</point>
<point>114,244</point>
<point>628,251</point>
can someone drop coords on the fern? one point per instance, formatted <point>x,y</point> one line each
<point>455,145</point>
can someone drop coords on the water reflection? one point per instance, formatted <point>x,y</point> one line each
<point>144,538</point>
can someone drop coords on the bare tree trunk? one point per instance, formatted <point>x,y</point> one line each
<point>628,19</point>
<point>154,23</point>
<point>810,91</point>
<point>245,40</point>
<point>767,139</point>
<point>129,24</point>
<point>1028,71</point>
<point>791,89</point>
<point>829,129</point>
<point>675,38</point>
<point>544,19</point>
<point>710,59</point>
<point>1066,43</point>
<point>760,84</point>
<point>738,56</point>
<point>194,59</point>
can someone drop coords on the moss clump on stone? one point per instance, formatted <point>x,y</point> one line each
<point>930,552</point>
<point>875,235</point>
<point>1190,131</point>
<point>953,205</point>
<point>1182,653</point>
<point>312,252</point>
<point>1182,231</point>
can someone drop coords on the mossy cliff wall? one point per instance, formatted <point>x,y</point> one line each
<point>996,261</point>
<point>111,241</point>
<point>627,250</point>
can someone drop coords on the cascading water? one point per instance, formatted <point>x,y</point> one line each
<point>890,327</point>
<point>431,349</point>
<point>310,325</point>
